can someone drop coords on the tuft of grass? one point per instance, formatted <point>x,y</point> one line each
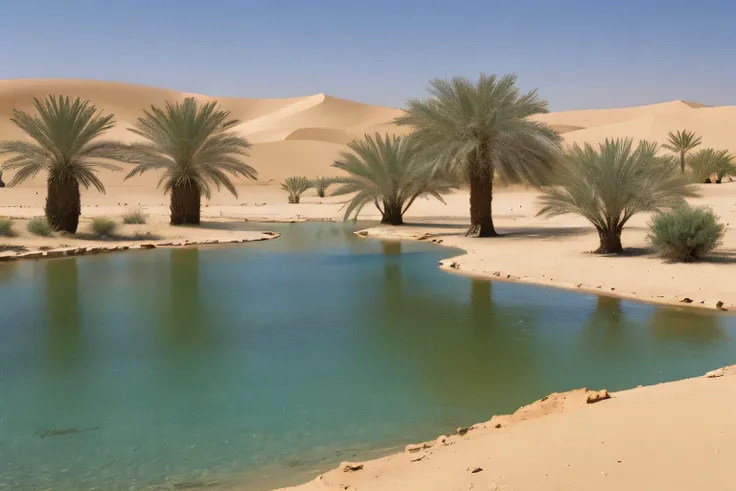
<point>6,228</point>
<point>104,226</point>
<point>136,217</point>
<point>321,184</point>
<point>685,233</point>
<point>40,226</point>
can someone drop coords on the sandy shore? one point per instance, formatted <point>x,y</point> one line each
<point>677,436</point>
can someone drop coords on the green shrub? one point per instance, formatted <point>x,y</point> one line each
<point>6,228</point>
<point>685,233</point>
<point>321,184</point>
<point>136,217</point>
<point>104,226</point>
<point>40,226</point>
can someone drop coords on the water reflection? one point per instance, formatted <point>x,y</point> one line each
<point>64,330</point>
<point>685,325</point>
<point>182,323</point>
<point>393,285</point>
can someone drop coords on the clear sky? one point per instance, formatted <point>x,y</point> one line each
<point>579,54</point>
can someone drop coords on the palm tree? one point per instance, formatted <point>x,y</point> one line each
<point>682,142</point>
<point>321,184</point>
<point>66,147</point>
<point>387,172</point>
<point>296,186</point>
<point>481,130</point>
<point>706,162</point>
<point>609,185</point>
<point>194,145</point>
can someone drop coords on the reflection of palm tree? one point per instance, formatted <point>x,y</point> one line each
<point>481,303</point>
<point>182,324</point>
<point>672,324</point>
<point>392,275</point>
<point>61,293</point>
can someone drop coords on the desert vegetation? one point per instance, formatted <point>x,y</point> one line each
<point>64,143</point>
<point>296,186</point>
<point>681,142</point>
<point>104,227</point>
<point>388,172</point>
<point>320,184</point>
<point>710,165</point>
<point>685,233</point>
<point>480,131</point>
<point>6,227</point>
<point>193,143</point>
<point>40,226</point>
<point>135,217</point>
<point>610,184</point>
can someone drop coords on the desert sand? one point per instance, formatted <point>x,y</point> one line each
<point>673,436</point>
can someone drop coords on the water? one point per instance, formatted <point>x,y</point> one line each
<point>184,366</point>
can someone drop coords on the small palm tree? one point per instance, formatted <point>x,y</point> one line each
<point>707,162</point>
<point>296,186</point>
<point>321,184</point>
<point>65,144</point>
<point>480,131</point>
<point>194,145</point>
<point>681,142</point>
<point>609,185</point>
<point>387,172</point>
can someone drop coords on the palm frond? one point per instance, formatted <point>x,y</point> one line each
<point>193,143</point>
<point>66,143</point>
<point>707,162</point>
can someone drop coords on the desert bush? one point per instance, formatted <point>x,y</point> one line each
<point>685,233</point>
<point>6,228</point>
<point>296,186</point>
<point>135,217</point>
<point>104,226</point>
<point>40,226</point>
<point>708,162</point>
<point>321,184</point>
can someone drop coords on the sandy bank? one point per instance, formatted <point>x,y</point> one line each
<point>674,436</point>
<point>155,234</point>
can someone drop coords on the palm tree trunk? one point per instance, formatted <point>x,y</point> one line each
<point>391,214</point>
<point>185,204</point>
<point>682,161</point>
<point>481,198</point>
<point>63,204</point>
<point>610,241</point>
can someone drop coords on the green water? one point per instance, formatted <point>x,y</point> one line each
<point>264,364</point>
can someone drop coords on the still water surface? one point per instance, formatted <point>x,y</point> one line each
<point>261,365</point>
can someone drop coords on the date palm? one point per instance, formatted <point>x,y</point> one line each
<point>682,142</point>
<point>296,186</point>
<point>387,172</point>
<point>321,184</point>
<point>66,145</point>
<point>480,130</point>
<point>609,185</point>
<point>706,162</point>
<point>194,145</point>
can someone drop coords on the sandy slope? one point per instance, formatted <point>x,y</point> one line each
<point>677,437</point>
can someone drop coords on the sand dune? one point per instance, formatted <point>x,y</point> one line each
<point>303,135</point>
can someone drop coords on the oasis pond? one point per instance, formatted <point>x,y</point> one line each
<point>258,366</point>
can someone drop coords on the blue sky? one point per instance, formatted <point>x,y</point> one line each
<point>579,54</point>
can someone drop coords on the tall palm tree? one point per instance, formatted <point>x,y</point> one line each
<point>706,162</point>
<point>481,130</point>
<point>194,145</point>
<point>387,172</point>
<point>682,142</point>
<point>67,147</point>
<point>609,185</point>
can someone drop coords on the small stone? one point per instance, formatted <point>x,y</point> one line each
<point>719,372</point>
<point>498,425</point>
<point>441,440</point>
<point>596,396</point>
<point>685,300</point>
<point>476,470</point>
<point>350,467</point>
<point>461,431</point>
<point>414,448</point>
